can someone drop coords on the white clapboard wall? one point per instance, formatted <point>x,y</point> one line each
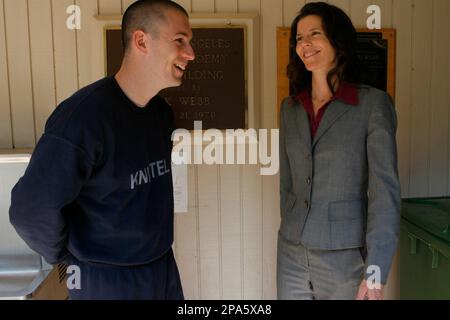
<point>226,244</point>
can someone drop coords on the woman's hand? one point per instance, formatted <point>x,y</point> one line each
<point>365,293</point>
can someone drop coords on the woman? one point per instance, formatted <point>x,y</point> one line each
<point>340,195</point>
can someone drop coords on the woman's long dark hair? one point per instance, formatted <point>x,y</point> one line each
<point>340,32</point>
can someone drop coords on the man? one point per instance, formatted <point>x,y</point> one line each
<point>98,191</point>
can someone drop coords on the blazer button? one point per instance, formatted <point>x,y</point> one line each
<point>308,181</point>
<point>306,204</point>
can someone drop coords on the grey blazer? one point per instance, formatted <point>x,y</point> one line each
<point>341,190</point>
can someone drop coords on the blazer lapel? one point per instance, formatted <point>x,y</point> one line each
<point>334,111</point>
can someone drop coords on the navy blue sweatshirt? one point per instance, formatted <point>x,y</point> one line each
<point>99,183</point>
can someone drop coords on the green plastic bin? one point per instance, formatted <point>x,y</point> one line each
<point>425,249</point>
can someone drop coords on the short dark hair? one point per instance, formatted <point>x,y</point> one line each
<point>340,32</point>
<point>146,15</point>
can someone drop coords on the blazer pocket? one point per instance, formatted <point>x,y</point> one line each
<point>346,210</point>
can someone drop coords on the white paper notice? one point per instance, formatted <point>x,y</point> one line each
<point>180,193</point>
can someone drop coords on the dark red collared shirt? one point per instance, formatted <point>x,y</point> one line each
<point>347,93</point>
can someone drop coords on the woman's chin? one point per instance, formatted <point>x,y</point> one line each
<point>310,67</point>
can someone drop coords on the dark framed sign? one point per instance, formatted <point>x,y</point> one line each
<point>214,86</point>
<point>373,56</point>
<point>376,54</point>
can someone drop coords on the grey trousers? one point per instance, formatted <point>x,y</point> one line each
<point>304,274</point>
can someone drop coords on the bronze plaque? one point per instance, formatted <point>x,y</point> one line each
<point>213,90</point>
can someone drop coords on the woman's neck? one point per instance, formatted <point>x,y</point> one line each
<point>320,90</point>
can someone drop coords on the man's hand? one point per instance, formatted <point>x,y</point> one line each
<point>364,293</point>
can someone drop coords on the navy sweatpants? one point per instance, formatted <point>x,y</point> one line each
<point>157,280</point>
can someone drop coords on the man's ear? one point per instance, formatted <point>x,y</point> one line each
<point>140,41</point>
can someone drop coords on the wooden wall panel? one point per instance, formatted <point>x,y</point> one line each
<point>126,4</point>
<point>270,225</point>
<point>209,225</point>
<point>187,246</point>
<point>89,69</point>
<point>249,5</point>
<point>403,24</point>
<point>110,7</point>
<point>226,5</point>
<point>202,6</point>
<point>20,87</point>
<point>65,51</point>
<point>230,197</point>
<point>272,18</point>
<point>440,100</point>
<point>290,10</point>
<point>386,12</point>
<point>5,106</point>
<point>421,95</point>
<point>41,41</point>
<point>358,12</point>
<point>252,225</point>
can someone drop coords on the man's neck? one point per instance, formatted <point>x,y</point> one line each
<point>135,84</point>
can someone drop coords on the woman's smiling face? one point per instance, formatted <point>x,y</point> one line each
<point>313,46</point>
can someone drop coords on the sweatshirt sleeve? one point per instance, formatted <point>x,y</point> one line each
<point>54,177</point>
